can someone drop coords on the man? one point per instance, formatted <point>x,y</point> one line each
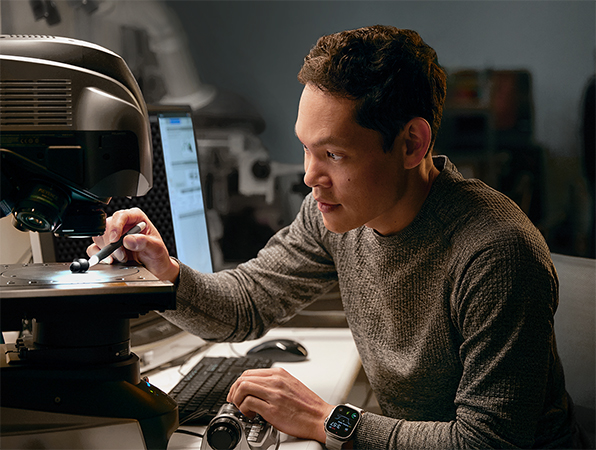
<point>448,288</point>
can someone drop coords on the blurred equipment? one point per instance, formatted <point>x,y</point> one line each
<point>160,57</point>
<point>488,132</point>
<point>75,132</point>
<point>253,196</point>
<point>45,10</point>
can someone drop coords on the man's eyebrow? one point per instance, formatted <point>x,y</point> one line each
<point>327,140</point>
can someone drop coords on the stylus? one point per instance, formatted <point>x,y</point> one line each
<point>111,248</point>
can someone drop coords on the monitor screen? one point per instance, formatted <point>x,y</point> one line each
<point>181,164</point>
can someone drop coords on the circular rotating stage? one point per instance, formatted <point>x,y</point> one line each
<point>60,274</point>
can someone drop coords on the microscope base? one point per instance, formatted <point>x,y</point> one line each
<point>113,392</point>
<point>26,429</point>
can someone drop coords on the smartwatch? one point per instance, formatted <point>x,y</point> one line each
<point>340,425</point>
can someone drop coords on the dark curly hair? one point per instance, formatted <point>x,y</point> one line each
<point>391,73</point>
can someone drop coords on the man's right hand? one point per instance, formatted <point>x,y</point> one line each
<point>146,248</point>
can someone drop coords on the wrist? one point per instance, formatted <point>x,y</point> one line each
<point>171,273</point>
<point>321,434</point>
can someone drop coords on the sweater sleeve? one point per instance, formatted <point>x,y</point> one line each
<point>289,273</point>
<point>503,302</point>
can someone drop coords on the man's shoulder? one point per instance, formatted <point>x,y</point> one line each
<point>473,215</point>
<point>471,200</point>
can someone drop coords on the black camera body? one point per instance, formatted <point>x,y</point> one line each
<point>230,429</point>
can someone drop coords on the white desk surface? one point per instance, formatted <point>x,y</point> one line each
<point>330,370</point>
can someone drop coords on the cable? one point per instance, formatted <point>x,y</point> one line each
<point>195,415</point>
<point>233,350</point>
<point>190,355</point>
<point>191,433</point>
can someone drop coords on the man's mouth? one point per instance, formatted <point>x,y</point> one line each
<point>327,207</point>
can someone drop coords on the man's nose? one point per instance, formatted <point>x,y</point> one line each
<point>314,173</point>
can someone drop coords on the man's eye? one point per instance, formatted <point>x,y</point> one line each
<point>333,156</point>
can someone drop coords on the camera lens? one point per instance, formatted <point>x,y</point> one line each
<point>34,222</point>
<point>42,208</point>
<point>223,434</point>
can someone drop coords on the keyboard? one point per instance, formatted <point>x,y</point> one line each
<point>204,389</point>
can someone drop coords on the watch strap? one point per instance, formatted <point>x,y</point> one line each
<point>332,443</point>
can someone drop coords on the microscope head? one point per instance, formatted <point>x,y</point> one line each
<point>74,132</point>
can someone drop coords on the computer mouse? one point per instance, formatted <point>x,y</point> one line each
<point>285,350</point>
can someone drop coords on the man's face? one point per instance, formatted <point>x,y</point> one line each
<point>353,180</point>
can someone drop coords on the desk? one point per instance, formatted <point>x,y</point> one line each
<point>330,370</point>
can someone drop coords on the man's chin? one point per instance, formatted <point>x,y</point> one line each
<point>336,227</point>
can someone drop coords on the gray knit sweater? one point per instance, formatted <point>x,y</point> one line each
<point>452,317</point>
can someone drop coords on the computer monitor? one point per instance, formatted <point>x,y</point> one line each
<point>185,192</point>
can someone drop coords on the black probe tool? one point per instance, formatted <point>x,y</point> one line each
<point>82,265</point>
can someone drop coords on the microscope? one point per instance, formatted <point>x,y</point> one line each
<point>74,132</point>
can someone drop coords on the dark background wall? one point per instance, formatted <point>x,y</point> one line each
<point>255,48</point>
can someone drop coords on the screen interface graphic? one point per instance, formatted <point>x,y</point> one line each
<point>343,421</point>
<point>185,191</point>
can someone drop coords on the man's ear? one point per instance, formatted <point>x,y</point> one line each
<point>417,135</point>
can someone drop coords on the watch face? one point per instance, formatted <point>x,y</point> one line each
<point>342,421</point>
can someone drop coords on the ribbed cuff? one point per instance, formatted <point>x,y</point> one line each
<point>373,431</point>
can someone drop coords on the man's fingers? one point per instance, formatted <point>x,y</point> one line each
<point>245,388</point>
<point>119,255</point>
<point>251,406</point>
<point>146,247</point>
<point>122,221</point>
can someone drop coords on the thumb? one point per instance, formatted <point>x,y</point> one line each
<point>131,243</point>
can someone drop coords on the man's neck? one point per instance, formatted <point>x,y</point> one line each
<point>418,185</point>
